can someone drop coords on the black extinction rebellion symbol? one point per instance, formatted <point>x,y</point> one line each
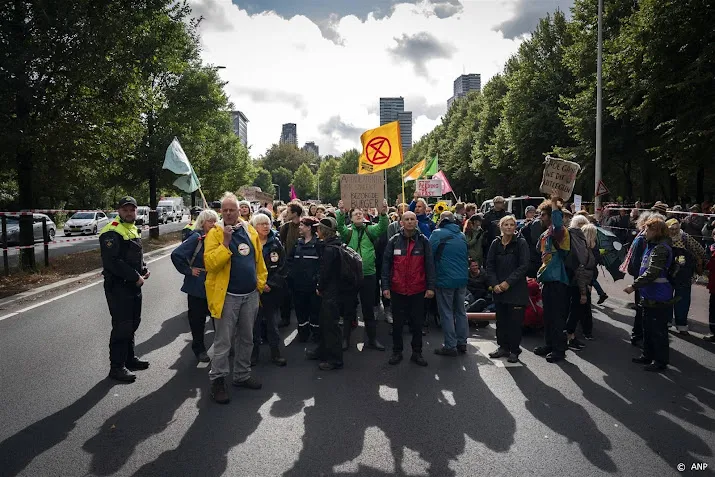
<point>378,150</point>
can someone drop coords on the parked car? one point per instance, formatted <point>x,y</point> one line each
<point>85,223</point>
<point>142,215</point>
<point>112,215</point>
<point>514,205</point>
<point>13,229</point>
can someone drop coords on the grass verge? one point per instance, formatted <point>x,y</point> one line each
<point>70,265</point>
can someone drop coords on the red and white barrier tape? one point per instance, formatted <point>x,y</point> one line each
<point>56,211</point>
<point>78,239</point>
<point>678,212</point>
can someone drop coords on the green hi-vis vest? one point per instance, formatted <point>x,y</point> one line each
<point>127,231</point>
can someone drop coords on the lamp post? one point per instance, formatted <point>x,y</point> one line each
<point>317,174</point>
<point>599,106</point>
<point>279,190</point>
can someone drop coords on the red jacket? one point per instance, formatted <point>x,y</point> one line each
<point>407,266</point>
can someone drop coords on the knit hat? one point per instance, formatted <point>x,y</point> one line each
<point>329,222</point>
<point>660,207</point>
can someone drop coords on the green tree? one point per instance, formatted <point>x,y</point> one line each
<point>304,182</point>
<point>285,155</point>
<point>264,180</point>
<point>329,177</point>
<point>283,178</point>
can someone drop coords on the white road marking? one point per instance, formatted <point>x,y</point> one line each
<point>50,300</point>
<point>289,339</point>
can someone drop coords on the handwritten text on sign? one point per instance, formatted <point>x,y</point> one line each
<point>362,190</point>
<point>429,187</point>
<point>559,177</point>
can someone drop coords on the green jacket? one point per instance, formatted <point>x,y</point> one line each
<point>366,248</point>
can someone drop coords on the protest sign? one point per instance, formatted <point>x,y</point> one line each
<point>577,202</point>
<point>559,177</point>
<point>429,187</point>
<point>362,190</point>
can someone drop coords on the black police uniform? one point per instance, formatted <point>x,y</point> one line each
<point>123,263</point>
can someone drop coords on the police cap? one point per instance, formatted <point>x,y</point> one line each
<point>127,200</point>
<point>216,204</point>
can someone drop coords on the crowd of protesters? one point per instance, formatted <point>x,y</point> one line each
<point>250,268</point>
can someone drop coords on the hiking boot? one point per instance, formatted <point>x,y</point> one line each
<point>219,393</point>
<point>137,365</point>
<point>576,345</point>
<point>276,357</point>
<point>122,374</point>
<point>513,358</point>
<point>641,360</point>
<point>250,383</point>
<point>374,344</point>
<point>328,366</point>
<point>446,351</point>
<point>462,349</point>
<point>554,357</point>
<point>396,358</point>
<point>601,299</point>
<point>500,353</point>
<point>542,350</point>
<point>203,357</point>
<point>254,355</point>
<point>418,359</point>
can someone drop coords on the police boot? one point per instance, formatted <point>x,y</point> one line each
<point>122,374</point>
<point>276,357</point>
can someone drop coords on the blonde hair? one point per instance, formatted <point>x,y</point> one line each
<point>506,219</point>
<point>591,233</point>
<point>206,214</point>
<point>579,221</point>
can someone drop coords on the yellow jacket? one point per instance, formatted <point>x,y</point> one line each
<point>217,260</point>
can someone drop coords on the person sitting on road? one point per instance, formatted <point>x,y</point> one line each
<point>449,248</point>
<point>408,277</point>
<point>188,259</point>
<point>507,263</point>
<point>235,276</point>
<point>419,207</point>
<point>273,291</point>
<point>479,295</point>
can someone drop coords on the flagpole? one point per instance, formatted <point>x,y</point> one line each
<point>402,172</point>
<point>455,197</point>
<point>206,204</point>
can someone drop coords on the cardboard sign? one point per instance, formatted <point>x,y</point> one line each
<point>362,190</point>
<point>429,187</point>
<point>559,177</point>
<point>577,202</point>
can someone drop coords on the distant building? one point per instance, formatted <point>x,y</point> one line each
<point>463,85</point>
<point>312,148</point>
<point>289,134</point>
<point>393,109</point>
<point>240,126</point>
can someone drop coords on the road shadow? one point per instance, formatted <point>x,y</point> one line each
<point>380,412</point>
<point>17,451</point>
<point>170,329</point>
<point>564,417</point>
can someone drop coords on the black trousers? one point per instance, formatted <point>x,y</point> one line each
<point>198,310</point>
<point>367,301</point>
<point>510,319</point>
<point>407,309</point>
<point>655,333</point>
<point>556,308</point>
<point>637,331</point>
<point>579,313</point>
<point>286,306</point>
<point>307,311</point>
<point>125,307</point>
<point>330,346</point>
<point>712,312</point>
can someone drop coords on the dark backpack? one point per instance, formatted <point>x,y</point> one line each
<point>350,266</point>
<point>577,255</point>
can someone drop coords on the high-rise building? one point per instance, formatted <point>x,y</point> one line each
<point>463,85</point>
<point>240,126</point>
<point>289,134</point>
<point>312,148</point>
<point>393,109</point>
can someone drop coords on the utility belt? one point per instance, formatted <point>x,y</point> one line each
<point>113,280</point>
<point>647,303</point>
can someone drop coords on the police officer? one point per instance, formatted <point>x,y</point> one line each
<point>189,228</point>
<point>124,274</point>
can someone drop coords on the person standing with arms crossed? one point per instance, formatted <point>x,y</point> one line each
<point>124,273</point>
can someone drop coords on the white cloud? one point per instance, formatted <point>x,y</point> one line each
<point>282,71</point>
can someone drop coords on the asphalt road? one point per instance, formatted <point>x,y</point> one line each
<point>86,242</point>
<point>596,414</point>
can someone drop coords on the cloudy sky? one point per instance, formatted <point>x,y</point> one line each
<point>324,64</point>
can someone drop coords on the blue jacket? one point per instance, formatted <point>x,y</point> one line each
<point>181,256</point>
<point>424,222</point>
<point>554,245</point>
<point>453,264</point>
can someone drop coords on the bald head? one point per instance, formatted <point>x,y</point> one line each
<point>409,222</point>
<point>447,215</point>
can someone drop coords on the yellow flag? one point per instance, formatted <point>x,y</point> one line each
<point>381,148</point>
<point>416,171</point>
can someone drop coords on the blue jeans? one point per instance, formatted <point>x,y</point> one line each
<point>682,307</point>
<point>453,316</point>
<point>599,289</point>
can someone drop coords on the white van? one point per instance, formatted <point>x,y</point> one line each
<point>514,205</point>
<point>173,211</point>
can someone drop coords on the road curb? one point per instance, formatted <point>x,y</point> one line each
<point>67,281</point>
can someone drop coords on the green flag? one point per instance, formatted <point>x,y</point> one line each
<point>176,161</point>
<point>431,168</point>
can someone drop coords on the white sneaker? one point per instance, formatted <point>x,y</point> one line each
<point>388,316</point>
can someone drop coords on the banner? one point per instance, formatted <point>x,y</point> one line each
<point>559,177</point>
<point>381,148</point>
<point>176,161</point>
<point>577,202</point>
<point>422,169</point>
<point>429,187</point>
<point>362,190</point>
<point>446,187</point>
